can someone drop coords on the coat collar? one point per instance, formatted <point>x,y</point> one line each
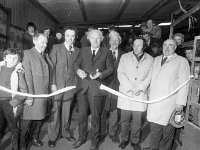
<point>134,57</point>
<point>172,57</point>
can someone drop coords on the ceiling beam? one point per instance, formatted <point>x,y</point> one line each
<point>184,16</point>
<point>155,8</point>
<point>83,10</point>
<point>108,22</point>
<point>122,8</point>
<point>47,13</point>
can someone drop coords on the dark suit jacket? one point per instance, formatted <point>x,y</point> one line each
<point>113,83</point>
<point>103,61</point>
<point>27,41</point>
<point>58,56</point>
<point>37,75</point>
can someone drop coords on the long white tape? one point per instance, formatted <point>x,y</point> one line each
<point>103,87</point>
<point>40,95</point>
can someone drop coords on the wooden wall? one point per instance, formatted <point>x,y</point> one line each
<point>22,11</point>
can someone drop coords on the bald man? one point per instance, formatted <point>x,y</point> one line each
<point>169,72</point>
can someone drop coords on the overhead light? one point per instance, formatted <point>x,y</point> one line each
<point>165,24</point>
<point>124,26</point>
<point>102,28</point>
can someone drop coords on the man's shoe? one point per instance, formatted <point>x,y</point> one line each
<point>102,137</point>
<point>52,144</point>
<point>114,138</point>
<point>94,147</point>
<point>70,138</point>
<point>123,144</point>
<point>136,146</point>
<point>37,143</point>
<point>78,143</point>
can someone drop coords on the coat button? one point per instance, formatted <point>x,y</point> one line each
<point>137,67</point>
<point>135,78</point>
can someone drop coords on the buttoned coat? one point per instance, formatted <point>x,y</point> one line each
<point>113,83</point>
<point>133,74</point>
<point>37,75</point>
<point>165,79</point>
<point>103,61</point>
<point>62,74</point>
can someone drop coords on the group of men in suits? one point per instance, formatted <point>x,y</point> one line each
<point>87,69</point>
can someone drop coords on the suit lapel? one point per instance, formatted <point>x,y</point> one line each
<point>98,54</point>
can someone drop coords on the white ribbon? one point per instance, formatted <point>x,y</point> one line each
<point>103,87</point>
<point>40,95</point>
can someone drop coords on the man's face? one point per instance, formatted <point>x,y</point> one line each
<point>41,43</point>
<point>138,46</point>
<point>95,39</point>
<point>58,36</point>
<point>149,24</point>
<point>146,37</point>
<point>189,54</point>
<point>169,47</point>
<point>178,40</point>
<point>70,36</point>
<point>11,60</point>
<point>114,43</point>
<point>31,30</point>
<point>47,32</point>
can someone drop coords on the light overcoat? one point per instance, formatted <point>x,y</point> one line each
<point>133,74</point>
<point>165,79</point>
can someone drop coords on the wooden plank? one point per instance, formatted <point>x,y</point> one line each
<point>122,8</point>
<point>3,8</point>
<point>155,8</point>
<point>83,10</point>
<point>8,22</point>
<point>47,13</point>
<point>184,16</point>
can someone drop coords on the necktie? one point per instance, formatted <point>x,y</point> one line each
<point>70,49</point>
<point>42,53</point>
<point>114,57</point>
<point>163,60</point>
<point>93,54</point>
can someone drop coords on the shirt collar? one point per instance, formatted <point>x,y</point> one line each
<point>96,50</point>
<point>38,50</point>
<point>67,46</point>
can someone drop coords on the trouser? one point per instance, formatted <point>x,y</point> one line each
<point>6,111</point>
<point>61,117</point>
<point>29,129</point>
<point>161,136</point>
<point>86,101</point>
<point>114,122</point>
<point>135,128</point>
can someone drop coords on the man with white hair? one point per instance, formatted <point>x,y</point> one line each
<point>169,72</point>
<point>93,65</point>
<point>110,105</point>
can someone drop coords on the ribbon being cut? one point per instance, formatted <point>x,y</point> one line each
<point>102,87</point>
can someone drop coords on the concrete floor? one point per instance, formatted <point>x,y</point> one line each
<point>63,144</point>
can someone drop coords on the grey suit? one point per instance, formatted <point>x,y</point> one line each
<point>64,76</point>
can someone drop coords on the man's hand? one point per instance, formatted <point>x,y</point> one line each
<point>81,73</point>
<point>53,88</point>
<point>136,91</point>
<point>29,102</point>
<point>179,107</point>
<point>97,75</point>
